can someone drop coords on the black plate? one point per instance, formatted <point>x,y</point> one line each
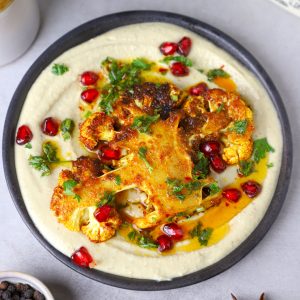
<point>97,27</point>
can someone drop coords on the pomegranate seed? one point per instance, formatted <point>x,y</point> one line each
<point>210,147</point>
<point>179,69</point>
<point>163,70</point>
<point>50,126</point>
<point>24,135</point>
<point>89,95</point>
<point>173,230</point>
<point>217,163</point>
<point>108,153</point>
<point>198,89</point>
<point>168,48</point>
<point>102,213</point>
<point>184,46</point>
<point>165,243</point>
<point>251,188</point>
<point>232,194</point>
<point>88,78</point>
<point>82,257</point>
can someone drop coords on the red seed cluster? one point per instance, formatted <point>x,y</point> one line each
<point>82,257</point>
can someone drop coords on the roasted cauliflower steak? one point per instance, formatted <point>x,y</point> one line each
<point>149,159</point>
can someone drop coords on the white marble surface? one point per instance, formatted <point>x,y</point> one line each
<point>273,36</point>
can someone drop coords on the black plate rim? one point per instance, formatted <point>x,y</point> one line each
<point>101,25</point>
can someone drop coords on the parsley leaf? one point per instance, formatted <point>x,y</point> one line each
<point>246,167</point>
<point>146,242</point>
<point>180,189</point>
<point>202,234</point>
<point>28,146</point>
<point>261,148</point>
<point>196,230</point>
<point>122,77</point>
<point>68,187</point>
<point>108,198</point>
<point>240,126</point>
<point>212,74</point>
<point>143,123</point>
<point>87,114</point>
<point>220,108</point>
<point>118,180</point>
<point>50,152</point>
<point>131,235</point>
<point>59,69</point>
<point>186,61</point>
<point>214,188</point>
<point>201,168</point>
<point>142,154</point>
<point>67,127</point>
<point>205,236</point>
<point>40,163</point>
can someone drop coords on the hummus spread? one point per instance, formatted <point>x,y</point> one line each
<point>58,97</point>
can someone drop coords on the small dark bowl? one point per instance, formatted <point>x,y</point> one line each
<point>97,27</point>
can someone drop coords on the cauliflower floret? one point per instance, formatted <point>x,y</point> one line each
<point>101,231</point>
<point>98,127</point>
<point>82,219</point>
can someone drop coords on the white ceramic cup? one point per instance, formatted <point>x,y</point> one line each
<point>19,24</point>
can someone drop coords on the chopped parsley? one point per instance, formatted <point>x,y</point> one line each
<point>122,77</point>
<point>270,165</point>
<point>220,108</point>
<point>50,152</point>
<point>146,242</point>
<point>66,128</point>
<point>142,156</point>
<point>108,198</point>
<point>87,114</point>
<point>246,167</point>
<point>240,126</point>
<point>196,230</point>
<point>214,188</point>
<point>180,189</point>
<point>202,234</point>
<point>141,240</point>
<point>118,180</point>
<point>186,61</point>
<point>28,146</point>
<point>212,74</point>
<point>59,69</point>
<point>68,187</point>
<point>261,148</point>
<point>201,168</point>
<point>42,163</point>
<point>143,123</point>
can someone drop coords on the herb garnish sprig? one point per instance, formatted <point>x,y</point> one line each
<point>260,149</point>
<point>142,155</point>
<point>43,163</point>
<point>66,128</point>
<point>68,187</point>
<point>59,69</point>
<point>180,189</point>
<point>203,235</point>
<point>122,77</point>
<point>143,123</point>
<point>214,73</point>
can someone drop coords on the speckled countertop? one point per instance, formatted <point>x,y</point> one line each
<point>272,35</point>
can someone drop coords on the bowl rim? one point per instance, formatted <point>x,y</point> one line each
<point>101,25</point>
<point>14,277</point>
